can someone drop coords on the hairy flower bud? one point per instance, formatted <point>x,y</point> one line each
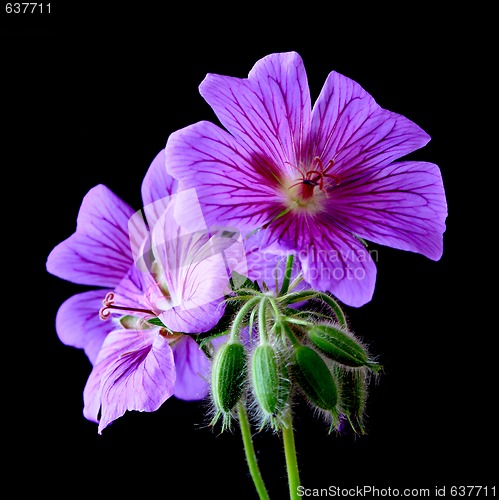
<point>340,346</point>
<point>265,377</point>
<point>270,383</point>
<point>315,379</point>
<point>353,395</point>
<point>228,379</point>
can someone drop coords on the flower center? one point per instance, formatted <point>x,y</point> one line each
<point>302,193</point>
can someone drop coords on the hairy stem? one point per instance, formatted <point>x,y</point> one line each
<point>249,450</point>
<point>290,454</point>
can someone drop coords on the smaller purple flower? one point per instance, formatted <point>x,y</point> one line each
<point>315,181</point>
<point>139,364</point>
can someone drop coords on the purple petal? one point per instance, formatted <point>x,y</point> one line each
<point>339,264</point>
<point>135,370</point>
<point>402,206</point>
<point>193,268</point>
<point>193,370</point>
<point>78,323</point>
<point>268,267</point>
<point>331,259</point>
<point>157,187</point>
<point>351,129</point>
<point>232,187</point>
<point>98,253</point>
<point>269,112</point>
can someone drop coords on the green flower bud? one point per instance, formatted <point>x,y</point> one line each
<point>315,379</point>
<point>353,395</point>
<point>270,383</point>
<point>265,377</point>
<point>228,379</point>
<point>340,346</point>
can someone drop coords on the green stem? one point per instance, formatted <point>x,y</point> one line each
<point>334,306</point>
<point>287,274</point>
<point>262,321</point>
<point>290,454</point>
<point>294,297</point>
<point>291,336</point>
<point>249,450</point>
<point>236,325</point>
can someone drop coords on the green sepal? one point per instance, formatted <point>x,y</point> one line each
<point>156,322</point>
<point>240,282</point>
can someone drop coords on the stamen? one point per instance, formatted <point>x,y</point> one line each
<point>109,307</point>
<point>315,177</point>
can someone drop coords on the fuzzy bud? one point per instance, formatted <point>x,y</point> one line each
<point>340,346</point>
<point>353,390</point>
<point>265,377</point>
<point>315,379</point>
<point>228,378</point>
<point>270,383</point>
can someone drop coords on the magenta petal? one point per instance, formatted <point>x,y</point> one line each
<point>402,206</point>
<point>135,370</point>
<point>78,323</point>
<point>351,129</point>
<point>192,318</point>
<point>193,370</point>
<point>331,259</point>
<point>194,271</point>
<point>157,183</point>
<point>269,112</point>
<point>338,263</point>
<point>157,187</point>
<point>232,187</point>
<point>98,253</point>
<point>268,267</point>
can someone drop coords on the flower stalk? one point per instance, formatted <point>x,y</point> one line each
<point>249,451</point>
<point>290,456</point>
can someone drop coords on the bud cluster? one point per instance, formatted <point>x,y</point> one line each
<point>276,351</point>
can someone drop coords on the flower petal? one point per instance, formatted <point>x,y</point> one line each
<point>78,324</point>
<point>331,259</point>
<point>339,264</point>
<point>402,206</point>
<point>157,187</point>
<point>98,253</point>
<point>269,112</point>
<point>268,267</point>
<point>351,129</point>
<point>135,370</point>
<point>232,187</point>
<point>192,368</point>
<point>194,271</point>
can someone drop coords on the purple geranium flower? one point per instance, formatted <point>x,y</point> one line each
<point>315,181</point>
<point>138,365</point>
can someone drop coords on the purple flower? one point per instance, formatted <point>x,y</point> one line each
<point>137,364</point>
<point>315,181</point>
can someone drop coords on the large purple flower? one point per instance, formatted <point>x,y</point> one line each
<point>138,364</point>
<point>316,181</point>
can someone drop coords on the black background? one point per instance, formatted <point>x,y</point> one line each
<point>90,96</point>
